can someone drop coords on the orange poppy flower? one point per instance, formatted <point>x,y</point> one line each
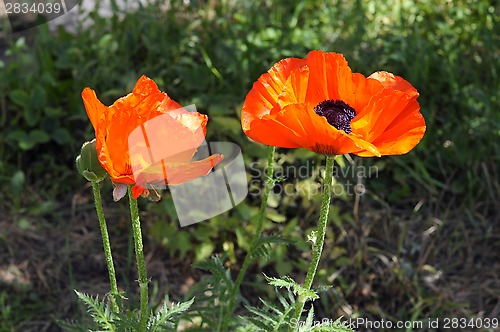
<point>319,104</point>
<point>146,138</point>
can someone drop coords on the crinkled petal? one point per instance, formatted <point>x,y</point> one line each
<point>295,88</point>
<point>143,100</point>
<point>165,131</point>
<point>404,132</point>
<point>328,73</point>
<point>392,81</point>
<point>263,96</point>
<point>357,91</point>
<point>281,113</point>
<point>380,112</point>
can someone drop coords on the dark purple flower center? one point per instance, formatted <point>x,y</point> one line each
<point>337,113</point>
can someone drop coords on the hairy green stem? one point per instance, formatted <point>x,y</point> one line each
<point>139,256</point>
<point>250,254</point>
<point>115,297</point>
<point>318,238</point>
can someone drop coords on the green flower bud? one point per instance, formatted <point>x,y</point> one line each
<point>88,164</point>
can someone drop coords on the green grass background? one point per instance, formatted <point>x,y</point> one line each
<point>425,239</point>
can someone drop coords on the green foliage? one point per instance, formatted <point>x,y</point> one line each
<point>274,318</point>
<point>211,293</point>
<point>167,317</point>
<point>212,297</point>
<point>209,53</point>
<point>7,323</point>
<point>100,312</point>
<point>266,244</point>
<point>290,284</point>
<point>104,318</point>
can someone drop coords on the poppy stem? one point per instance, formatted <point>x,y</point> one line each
<point>139,256</point>
<point>256,236</point>
<point>115,296</point>
<point>318,237</point>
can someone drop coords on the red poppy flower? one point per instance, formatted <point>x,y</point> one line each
<point>319,104</point>
<point>146,137</point>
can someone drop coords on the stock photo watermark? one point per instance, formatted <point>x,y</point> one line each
<point>364,324</point>
<point>205,179</point>
<point>20,15</point>
<point>209,178</point>
<point>302,180</point>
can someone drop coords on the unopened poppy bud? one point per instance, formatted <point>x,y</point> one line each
<point>88,164</point>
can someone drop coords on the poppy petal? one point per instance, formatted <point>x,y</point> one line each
<point>127,118</point>
<point>314,133</point>
<point>193,170</point>
<point>149,111</point>
<point>137,191</point>
<point>95,109</point>
<point>146,143</point>
<point>357,91</point>
<point>145,97</point>
<point>263,96</point>
<point>392,81</point>
<point>268,131</point>
<point>165,173</point>
<point>404,132</point>
<point>295,88</point>
<point>380,112</point>
<point>327,76</point>
<point>387,118</point>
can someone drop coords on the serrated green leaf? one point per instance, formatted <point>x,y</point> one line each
<point>99,311</point>
<point>216,266</point>
<point>264,245</point>
<point>270,306</point>
<point>322,288</point>
<point>309,320</point>
<point>262,314</point>
<point>286,282</point>
<point>283,301</point>
<point>168,317</point>
<point>308,294</point>
<point>290,284</point>
<point>270,317</point>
